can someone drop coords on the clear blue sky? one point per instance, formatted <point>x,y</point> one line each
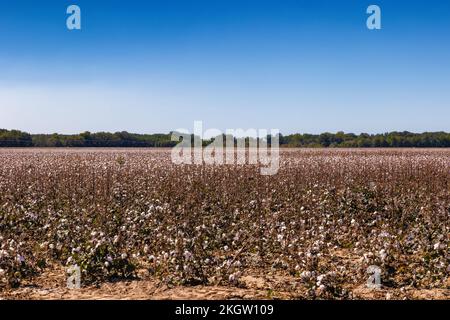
<point>155,66</point>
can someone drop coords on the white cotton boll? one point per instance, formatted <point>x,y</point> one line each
<point>305,275</point>
<point>320,279</point>
<point>3,254</point>
<point>383,254</point>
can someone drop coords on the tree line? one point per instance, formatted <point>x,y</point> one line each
<point>16,138</point>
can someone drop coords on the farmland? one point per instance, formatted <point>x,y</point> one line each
<point>134,222</point>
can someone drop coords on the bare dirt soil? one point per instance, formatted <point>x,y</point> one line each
<point>51,285</point>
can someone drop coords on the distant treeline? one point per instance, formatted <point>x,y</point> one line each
<point>349,140</point>
<point>15,138</point>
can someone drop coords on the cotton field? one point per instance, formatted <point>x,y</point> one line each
<point>319,224</point>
